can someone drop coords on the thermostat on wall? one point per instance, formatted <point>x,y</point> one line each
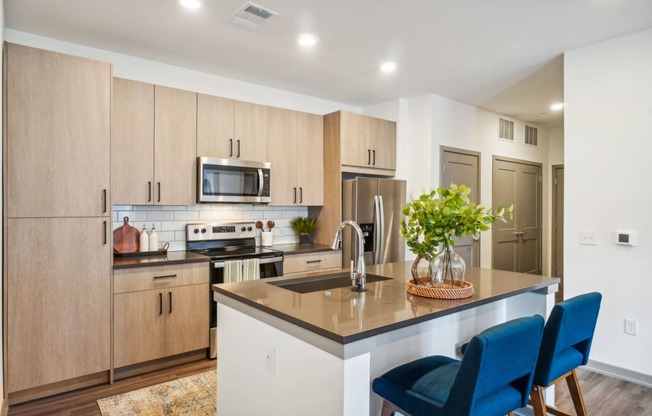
<point>625,238</point>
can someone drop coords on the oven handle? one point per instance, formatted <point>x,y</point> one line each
<point>264,260</point>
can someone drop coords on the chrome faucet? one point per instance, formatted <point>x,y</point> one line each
<point>358,278</point>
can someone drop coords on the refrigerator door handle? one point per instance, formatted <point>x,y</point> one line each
<point>379,231</point>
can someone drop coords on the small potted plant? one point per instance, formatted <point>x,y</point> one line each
<point>434,219</point>
<point>304,226</point>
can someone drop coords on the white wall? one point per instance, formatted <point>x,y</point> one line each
<point>608,91</point>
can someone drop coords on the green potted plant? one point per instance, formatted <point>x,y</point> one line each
<point>304,226</point>
<point>434,219</point>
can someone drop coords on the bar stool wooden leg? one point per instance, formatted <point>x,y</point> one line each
<point>576,393</point>
<point>538,402</point>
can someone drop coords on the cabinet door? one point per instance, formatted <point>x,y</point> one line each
<point>138,319</point>
<point>215,127</point>
<point>58,110</point>
<point>186,318</point>
<point>310,159</point>
<point>59,300</point>
<point>175,146</point>
<point>132,142</point>
<point>250,131</point>
<point>383,144</point>
<point>282,151</point>
<point>354,139</point>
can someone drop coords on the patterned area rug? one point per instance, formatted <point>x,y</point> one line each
<point>194,395</point>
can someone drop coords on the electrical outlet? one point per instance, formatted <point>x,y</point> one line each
<point>270,359</point>
<point>588,238</point>
<point>631,326</point>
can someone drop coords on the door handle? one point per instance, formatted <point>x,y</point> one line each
<point>160,304</point>
<point>104,232</point>
<point>301,194</point>
<point>368,156</point>
<point>374,153</point>
<point>159,191</point>
<point>104,201</point>
<point>238,147</point>
<point>295,195</point>
<point>230,147</point>
<point>170,296</point>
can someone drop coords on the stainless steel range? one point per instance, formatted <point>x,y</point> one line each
<point>227,242</point>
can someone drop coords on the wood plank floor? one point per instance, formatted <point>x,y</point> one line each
<point>604,396</point>
<point>83,402</point>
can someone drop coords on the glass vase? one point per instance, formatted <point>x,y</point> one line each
<point>447,267</point>
<point>420,268</point>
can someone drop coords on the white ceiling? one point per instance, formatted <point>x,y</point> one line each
<point>502,55</point>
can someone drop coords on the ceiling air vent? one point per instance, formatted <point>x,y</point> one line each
<point>531,135</point>
<point>250,16</point>
<point>505,129</point>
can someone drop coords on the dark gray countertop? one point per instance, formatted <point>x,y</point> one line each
<point>289,249</point>
<point>172,257</point>
<point>345,316</point>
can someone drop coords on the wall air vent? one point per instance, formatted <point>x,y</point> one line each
<point>250,16</point>
<point>505,129</point>
<point>531,135</point>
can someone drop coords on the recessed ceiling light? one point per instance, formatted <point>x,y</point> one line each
<point>388,67</point>
<point>557,106</point>
<point>307,40</point>
<point>191,4</point>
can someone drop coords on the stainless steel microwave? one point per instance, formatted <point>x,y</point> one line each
<point>233,181</point>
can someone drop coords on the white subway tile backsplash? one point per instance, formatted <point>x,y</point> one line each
<point>186,215</point>
<point>171,221</point>
<point>160,216</point>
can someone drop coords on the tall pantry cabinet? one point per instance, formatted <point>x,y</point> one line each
<point>57,207</point>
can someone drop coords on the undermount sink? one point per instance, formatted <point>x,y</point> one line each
<point>325,282</point>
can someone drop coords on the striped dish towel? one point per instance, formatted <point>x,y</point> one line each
<point>251,269</point>
<point>232,271</point>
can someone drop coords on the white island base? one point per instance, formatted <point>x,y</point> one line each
<point>269,366</point>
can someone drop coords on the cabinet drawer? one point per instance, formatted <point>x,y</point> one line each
<point>155,277</point>
<point>297,263</point>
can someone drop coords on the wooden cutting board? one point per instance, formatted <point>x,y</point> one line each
<point>126,238</point>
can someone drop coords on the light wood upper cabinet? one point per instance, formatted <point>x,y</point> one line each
<point>311,159</point>
<point>175,144</point>
<point>295,149</point>
<point>367,142</point>
<point>58,276</point>
<point>132,142</point>
<point>57,120</point>
<point>231,129</point>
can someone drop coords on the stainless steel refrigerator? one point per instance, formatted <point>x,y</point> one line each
<point>376,205</point>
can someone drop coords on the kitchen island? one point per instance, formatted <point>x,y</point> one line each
<point>288,353</point>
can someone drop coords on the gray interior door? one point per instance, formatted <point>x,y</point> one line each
<point>461,167</point>
<point>558,228</point>
<point>517,243</point>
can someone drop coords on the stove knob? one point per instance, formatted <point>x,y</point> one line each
<point>243,229</point>
<point>249,228</point>
<point>203,230</point>
<point>196,231</point>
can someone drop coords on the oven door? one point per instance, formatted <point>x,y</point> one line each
<point>270,266</point>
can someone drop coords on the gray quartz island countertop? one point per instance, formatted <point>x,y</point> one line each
<point>345,316</point>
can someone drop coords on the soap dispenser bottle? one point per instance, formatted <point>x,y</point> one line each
<point>144,240</point>
<point>153,239</point>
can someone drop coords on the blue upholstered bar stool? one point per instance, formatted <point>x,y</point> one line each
<point>493,379</point>
<point>565,346</point>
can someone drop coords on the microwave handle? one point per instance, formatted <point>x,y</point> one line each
<point>261,182</point>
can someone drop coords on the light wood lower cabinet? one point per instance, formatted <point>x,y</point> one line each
<point>58,300</point>
<point>159,312</point>
<point>312,262</point>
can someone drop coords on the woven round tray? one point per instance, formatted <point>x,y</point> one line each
<point>460,290</point>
